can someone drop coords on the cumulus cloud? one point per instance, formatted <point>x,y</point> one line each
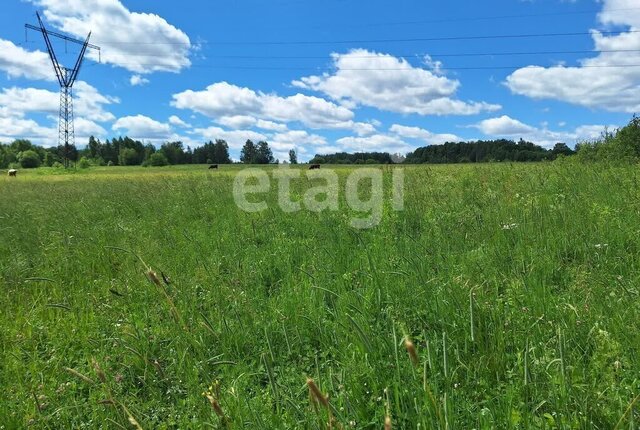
<point>17,62</point>
<point>177,121</point>
<point>12,127</point>
<point>423,135</point>
<point>504,126</point>
<point>237,121</point>
<point>270,125</point>
<point>507,127</point>
<point>294,138</point>
<point>139,42</point>
<point>389,83</point>
<point>235,138</point>
<point>238,106</point>
<point>89,103</point>
<point>376,142</point>
<point>591,83</point>
<point>137,80</point>
<point>142,128</point>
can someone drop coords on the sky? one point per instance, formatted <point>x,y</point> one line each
<point>325,76</point>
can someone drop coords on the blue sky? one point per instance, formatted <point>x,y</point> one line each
<point>326,76</point>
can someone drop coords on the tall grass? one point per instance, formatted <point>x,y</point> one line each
<point>503,296</point>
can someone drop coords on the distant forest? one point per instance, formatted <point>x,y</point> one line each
<point>462,152</point>
<point>622,145</point>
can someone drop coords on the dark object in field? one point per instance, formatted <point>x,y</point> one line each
<point>213,166</point>
<point>13,172</point>
<point>115,292</point>
<point>314,166</point>
<point>165,278</point>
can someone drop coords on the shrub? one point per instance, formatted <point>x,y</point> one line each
<point>29,159</point>
<point>84,163</point>
<point>158,159</point>
<point>57,165</point>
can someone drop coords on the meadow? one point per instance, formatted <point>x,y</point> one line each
<point>503,296</point>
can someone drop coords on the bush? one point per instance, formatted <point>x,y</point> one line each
<point>110,163</point>
<point>84,163</point>
<point>29,159</point>
<point>621,147</point>
<point>158,159</point>
<point>57,165</point>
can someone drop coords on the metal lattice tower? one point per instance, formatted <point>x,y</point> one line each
<point>66,78</point>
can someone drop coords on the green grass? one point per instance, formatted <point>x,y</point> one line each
<point>518,285</point>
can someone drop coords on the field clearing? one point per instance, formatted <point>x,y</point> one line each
<point>517,283</point>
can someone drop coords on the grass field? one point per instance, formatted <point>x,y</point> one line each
<point>517,284</point>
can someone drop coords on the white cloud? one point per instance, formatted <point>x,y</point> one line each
<point>270,125</point>
<point>389,83</point>
<point>593,83</point>
<point>237,121</point>
<point>143,128</point>
<point>19,101</point>
<point>231,104</point>
<point>506,127</point>
<point>139,42</point>
<point>423,135</point>
<point>88,102</point>
<point>12,127</point>
<point>84,128</point>
<point>235,138</point>
<point>18,62</point>
<point>137,80</point>
<point>295,138</point>
<point>376,142</point>
<point>175,120</point>
<point>363,128</point>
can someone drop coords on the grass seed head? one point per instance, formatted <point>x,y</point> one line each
<point>387,423</point>
<point>99,372</point>
<point>79,375</point>
<point>153,277</point>
<point>411,350</point>
<point>316,394</point>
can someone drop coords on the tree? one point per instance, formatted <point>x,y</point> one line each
<point>29,159</point>
<point>174,151</point>
<point>248,154</point>
<point>128,157</point>
<point>293,157</point>
<point>561,149</point>
<point>94,148</point>
<point>221,152</point>
<point>264,154</point>
<point>158,159</point>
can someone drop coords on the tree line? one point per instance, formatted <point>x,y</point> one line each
<point>486,150</point>
<point>622,145</point>
<point>357,158</point>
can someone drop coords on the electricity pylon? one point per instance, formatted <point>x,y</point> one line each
<point>66,78</point>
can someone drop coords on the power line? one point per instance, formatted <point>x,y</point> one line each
<point>467,54</point>
<point>427,39</point>
<point>374,69</point>
<point>400,40</point>
<point>495,17</point>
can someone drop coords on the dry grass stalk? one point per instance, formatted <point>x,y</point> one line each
<point>316,394</point>
<point>387,423</point>
<point>96,367</point>
<point>411,350</point>
<point>79,375</point>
